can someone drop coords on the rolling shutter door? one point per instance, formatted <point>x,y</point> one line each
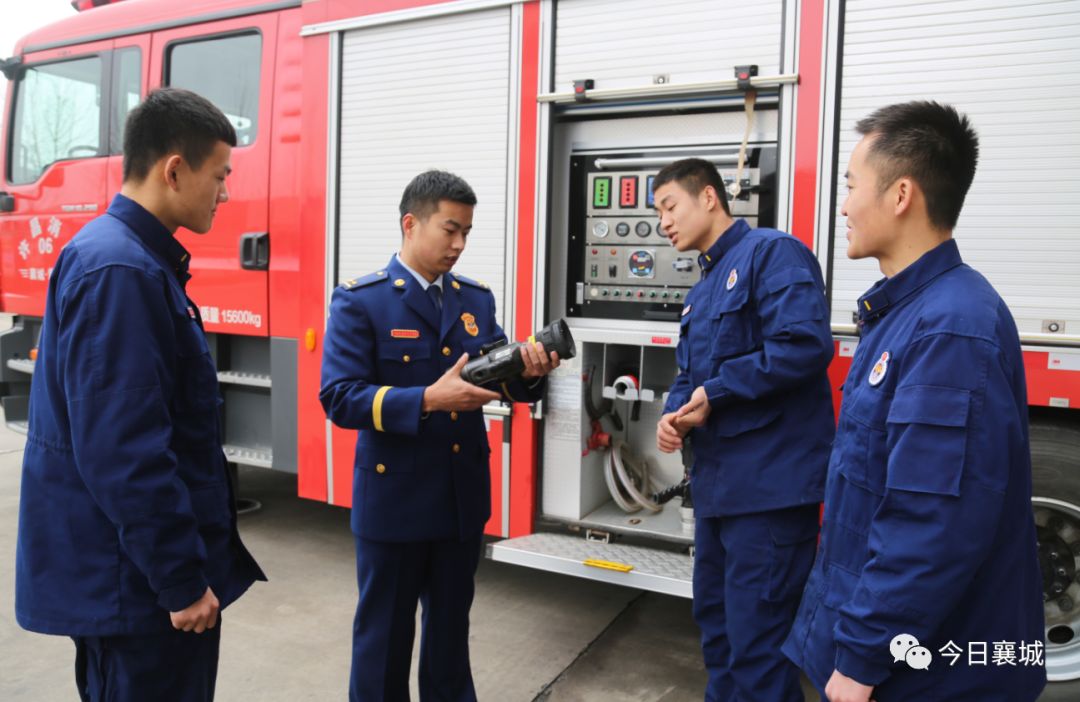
<point>1014,69</point>
<point>430,93</point>
<point>625,43</point>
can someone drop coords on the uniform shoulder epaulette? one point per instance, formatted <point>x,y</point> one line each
<point>470,281</point>
<point>364,281</point>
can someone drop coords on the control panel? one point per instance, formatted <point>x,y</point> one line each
<point>621,264</point>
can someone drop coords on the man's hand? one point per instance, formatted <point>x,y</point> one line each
<point>669,436</point>
<point>452,394</point>
<point>198,616</point>
<point>841,688</point>
<point>537,363</point>
<point>695,412</point>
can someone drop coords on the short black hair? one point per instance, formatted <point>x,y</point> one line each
<point>172,120</point>
<point>693,174</point>
<point>930,143</point>
<point>423,193</point>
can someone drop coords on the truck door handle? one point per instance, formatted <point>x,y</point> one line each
<point>7,202</point>
<point>255,251</point>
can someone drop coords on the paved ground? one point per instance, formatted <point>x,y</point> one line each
<point>535,636</point>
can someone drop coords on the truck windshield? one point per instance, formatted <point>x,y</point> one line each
<point>57,116</point>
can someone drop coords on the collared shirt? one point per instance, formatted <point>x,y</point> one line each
<point>928,529</point>
<point>424,283</point>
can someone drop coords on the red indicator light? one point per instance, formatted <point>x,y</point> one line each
<point>628,191</point>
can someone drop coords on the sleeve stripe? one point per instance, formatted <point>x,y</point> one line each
<point>376,407</point>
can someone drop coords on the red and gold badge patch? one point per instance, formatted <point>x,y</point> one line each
<point>470,324</point>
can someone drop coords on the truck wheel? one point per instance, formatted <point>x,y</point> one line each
<point>1055,457</point>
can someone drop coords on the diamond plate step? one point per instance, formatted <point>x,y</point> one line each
<point>650,569</point>
<point>261,458</point>
<point>23,365</point>
<point>256,380</point>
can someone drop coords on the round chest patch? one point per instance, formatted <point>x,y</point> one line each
<point>733,277</point>
<point>877,374</point>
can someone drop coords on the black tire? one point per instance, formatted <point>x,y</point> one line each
<point>1055,459</point>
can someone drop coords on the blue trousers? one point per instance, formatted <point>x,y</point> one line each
<point>392,579</point>
<point>749,572</point>
<point>170,667</point>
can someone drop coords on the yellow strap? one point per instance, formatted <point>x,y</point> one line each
<point>748,104</point>
<point>608,565</point>
<point>376,406</point>
<point>506,392</point>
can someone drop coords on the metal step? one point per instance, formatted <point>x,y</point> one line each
<point>633,566</point>
<point>257,380</point>
<point>22,365</point>
<point>262,458</point>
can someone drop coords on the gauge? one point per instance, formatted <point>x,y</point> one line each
<point>622,229</point>
<point>642,264</point>
<point>600,229</point>
<point>643,229</point>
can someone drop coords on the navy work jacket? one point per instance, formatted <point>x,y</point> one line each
<point>126,511</point>
<point>755,333</point>
<point>928,527</point>
<point>418,476</point>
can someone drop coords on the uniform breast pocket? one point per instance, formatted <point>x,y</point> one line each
<point>731,324</point>
<point>864,453</point>
<point>196,378</point>
<point>404,363</point>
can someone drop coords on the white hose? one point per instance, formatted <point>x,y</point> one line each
<point>627,477</point>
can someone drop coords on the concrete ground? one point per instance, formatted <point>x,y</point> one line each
<point>535,636</point>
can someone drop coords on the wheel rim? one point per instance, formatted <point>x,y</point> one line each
<point>1058,525</point>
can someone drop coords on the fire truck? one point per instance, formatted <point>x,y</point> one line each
<point>558,113</point>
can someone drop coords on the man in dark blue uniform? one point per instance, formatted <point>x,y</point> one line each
<point>751,390</point>
<point>127,530</point>
<point>396,342</point>
<point>928,550</point>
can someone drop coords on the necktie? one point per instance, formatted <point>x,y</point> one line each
<point>435,293</point>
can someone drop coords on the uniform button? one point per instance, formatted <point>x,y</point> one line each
<point>446,351</point>
<point>380,468</point>
<point>406,358</point>
<point>457,448</point>
<point>453,416</point>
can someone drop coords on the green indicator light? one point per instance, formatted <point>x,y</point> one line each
<point>601,194</point>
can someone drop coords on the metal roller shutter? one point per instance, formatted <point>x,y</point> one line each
<point>625,43</point>
<point>1014,68</point>
<point>431,93</point>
